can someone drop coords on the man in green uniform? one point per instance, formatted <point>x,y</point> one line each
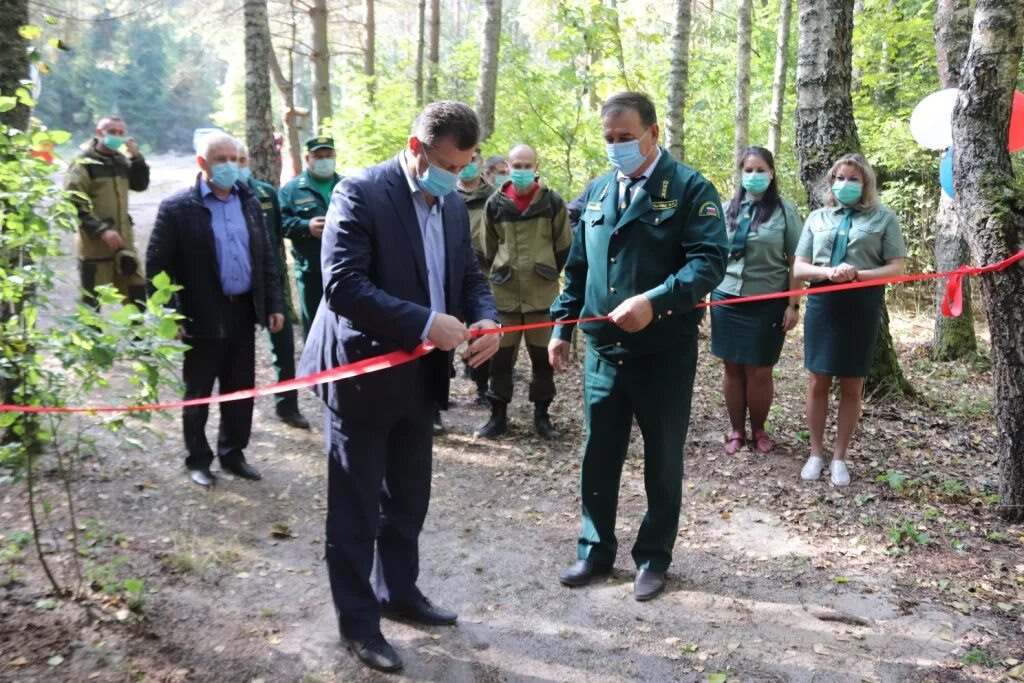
<point>304,202</point>
<point>526,241</point>
<point>282,342</point>
<point>105,243</point>
<point>650,245</point>
<point>475,191</point>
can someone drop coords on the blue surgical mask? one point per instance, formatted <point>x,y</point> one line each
<point>244,174</point>
<point>848,192</point>
<point>626,157</point>
<point>436,181</point>
<point>470,172</point>
<point>522,178</point>
<point>500,179</point>
<point>322,168</point>
<point>756,182</point>
<point>224,175</point>
<point>113,141</point>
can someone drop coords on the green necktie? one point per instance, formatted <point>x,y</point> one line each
<point>739,239</point>
<point>627,197</point>
<point>841,238</point>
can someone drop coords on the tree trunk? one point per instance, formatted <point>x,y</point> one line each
<point>992,219</point>
<point>954,338</point>
<point>259,127</point>
<point>433,50</point>
<point>826,130</point>
<point>370,50</point>
<point>779,78</point>
<point>620,54</point>
<point>422,16</point>
<point>321,58</point>
<point>13,60</point>
<point>677,81</point>
<point>744,9</point>
<point>488,84</point>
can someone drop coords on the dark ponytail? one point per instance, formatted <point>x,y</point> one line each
<point>769,202</point>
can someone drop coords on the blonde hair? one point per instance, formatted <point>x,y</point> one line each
<point>869,194</point>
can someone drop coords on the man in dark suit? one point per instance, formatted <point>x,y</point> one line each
<point>399,269</point>
<point>210,239</point>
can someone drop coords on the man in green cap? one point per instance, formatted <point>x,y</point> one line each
<point>282,342</point>
<point>651,244</point>
<point>304,202</point>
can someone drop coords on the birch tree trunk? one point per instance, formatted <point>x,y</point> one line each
<point>826,130</point>
<point>286,89</point>
<point>954,338</point>
<point>486,90</point>
<point>259,126</point>
<point>779,78</point>
<point>13,60</point>
<point>677,80</point>
<point>421,40</point>
<point>433,50</point>
<point>370,50</point>
<point>321,58</point>
<point>993,219</point>
<point>744,9</point>
<point>620,54</point>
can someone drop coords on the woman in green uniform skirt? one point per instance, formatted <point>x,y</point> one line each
<point>851,238</point>
<point>763,231</point>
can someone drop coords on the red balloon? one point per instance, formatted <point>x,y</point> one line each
<point>1017,122</point>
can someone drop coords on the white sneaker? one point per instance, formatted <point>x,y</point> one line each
<point>840,475</point>
<point>812,469</point>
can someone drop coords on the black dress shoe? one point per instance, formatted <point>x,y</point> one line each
<point>582,573</point>
<point>648,584</point>
<point>203,476</point>
<point>241,468</point>
<point>375,652</point>
<point>422,612</point>
<point>294,419</point>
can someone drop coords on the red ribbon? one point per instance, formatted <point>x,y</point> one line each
<point>952,305</point>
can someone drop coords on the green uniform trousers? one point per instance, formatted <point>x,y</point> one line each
<point>282,355</point>
<point>657,390</point>
<point>310,286</point>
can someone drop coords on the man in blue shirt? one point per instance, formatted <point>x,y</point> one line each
<point>210,239</point>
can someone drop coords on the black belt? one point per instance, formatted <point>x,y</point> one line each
<point>234,298</point>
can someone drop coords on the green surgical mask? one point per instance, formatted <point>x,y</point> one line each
<point>756,182</point>
<point>848,192</point>
<point>470,172</point>
<point>113,142</point>
<point>522,178</point>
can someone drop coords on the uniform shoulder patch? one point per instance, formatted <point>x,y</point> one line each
<point>708,209</point>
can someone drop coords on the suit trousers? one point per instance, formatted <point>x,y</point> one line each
<point>657,390</point>
<point>378,491</point>
<point>231,363</point>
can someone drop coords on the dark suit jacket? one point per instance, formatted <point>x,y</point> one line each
<point>183,246</point>
<point>376,296</point>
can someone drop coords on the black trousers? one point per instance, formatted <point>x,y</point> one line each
<point>231,363</point>
<point>378,491</point>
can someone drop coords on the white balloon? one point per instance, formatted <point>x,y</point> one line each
<point>931,124</point>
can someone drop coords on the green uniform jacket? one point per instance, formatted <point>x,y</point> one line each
<point>271,207</point>
<point>475,201</point>
<point>669,245</point>
<point>300,201</point>
<point>525,252</point>
<point>104,180</point>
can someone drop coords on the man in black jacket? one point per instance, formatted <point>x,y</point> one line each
<point>210,239</point>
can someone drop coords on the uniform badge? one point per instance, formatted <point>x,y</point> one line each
<point>594,206</point>
<point>664,188</point>
<point>662,206</point>
<point>708,209</point>
<point>305,200</point>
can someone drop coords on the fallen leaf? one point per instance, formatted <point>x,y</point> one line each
<point>19,661</point>
<point>274,639</point>
<point>1016,673</point>
<point>820,648</point>
<point>717,678</point>
<point>841,579</point>
<point>671,641</point>
<point>122,614</point>
<point>281,531</point>
<point>55,660</point>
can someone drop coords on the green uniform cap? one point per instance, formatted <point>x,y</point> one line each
<point>319,142</point>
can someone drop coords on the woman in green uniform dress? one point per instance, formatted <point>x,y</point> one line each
<point>851,238</point>
<point>763,231</point>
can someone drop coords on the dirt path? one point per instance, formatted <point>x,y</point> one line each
<point>772,579</point>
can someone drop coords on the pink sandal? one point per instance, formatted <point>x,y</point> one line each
<point>762,442</point>
<point>735,442</point>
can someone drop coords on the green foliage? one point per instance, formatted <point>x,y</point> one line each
<point>902,533</point>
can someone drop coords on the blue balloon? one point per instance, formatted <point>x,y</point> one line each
<point>946,172</point>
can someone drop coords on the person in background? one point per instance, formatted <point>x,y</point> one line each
<point>475,191</point>
<point>526,242</point>
<point>282,342</point>
<point>852,238</point>
<point>210,239</point>
<point>763,230</point>
<point>304,201</point>
<point>651,245</point>
<point>496,171</point>
<point>105,242</point>
<point>577,205</point>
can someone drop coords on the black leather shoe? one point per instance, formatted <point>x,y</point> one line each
<point>203,476</point>
<point>582,573</point>
<point>294,419</point>
<point>375,652</point>
<point>241,468</point>
<point>648,584</point>
<point>422,612</point>
<point>438,425</point>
